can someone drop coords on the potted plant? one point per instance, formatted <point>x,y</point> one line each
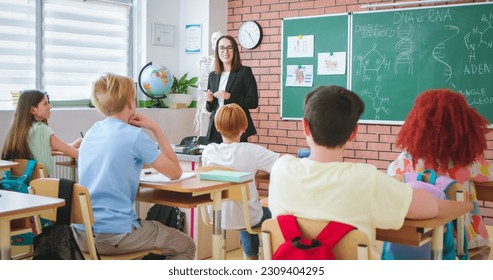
<point>178,98</point>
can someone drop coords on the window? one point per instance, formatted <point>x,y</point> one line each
<point>78,41</point>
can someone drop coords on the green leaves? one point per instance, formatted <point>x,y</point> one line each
<point>182,85</point>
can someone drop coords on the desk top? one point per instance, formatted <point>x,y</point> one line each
<point>6,164</point>
<point>417,232</point>
<point>190,158</point>
<point>192,185</point>
<point>13,203</point>
<point>484,190</point>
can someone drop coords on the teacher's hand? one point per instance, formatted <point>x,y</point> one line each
<point>222,94</point>
<point>209,96</point>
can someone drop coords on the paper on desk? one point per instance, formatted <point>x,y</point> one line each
<point>160,178</point>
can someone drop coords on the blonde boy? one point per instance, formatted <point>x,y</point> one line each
<point>110,161</point>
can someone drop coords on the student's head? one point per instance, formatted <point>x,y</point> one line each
<point>231,121</point>
<point>332,114</point>
<point>227,52</point>
<point>33,105</point>
<point>441,128</point>
<point>111,93</point>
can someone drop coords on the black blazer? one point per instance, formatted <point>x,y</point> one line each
<point>243,88</point>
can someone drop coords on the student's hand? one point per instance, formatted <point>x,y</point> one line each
<point>222,94</point>
<point>209,97</point>
<point>143,121</point>
<point>76,143</point>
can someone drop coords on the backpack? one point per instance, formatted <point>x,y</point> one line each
<point>437,186</point>
<point>167,215</point>
<point>21,184</point>
<point>295,247</point>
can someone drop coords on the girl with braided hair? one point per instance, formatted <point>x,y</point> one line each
<point>444,134</point>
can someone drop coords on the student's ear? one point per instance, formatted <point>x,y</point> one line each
<point>353,134</point>
<point>33,110</point>
<point>306,127</point>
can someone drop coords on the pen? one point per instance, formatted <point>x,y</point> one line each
<point>81,134</point>
<point>147,173</point>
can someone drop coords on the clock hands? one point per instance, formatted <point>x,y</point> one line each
<point>250,36</point>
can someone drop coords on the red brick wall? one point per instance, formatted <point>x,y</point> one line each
<point>374,143</point>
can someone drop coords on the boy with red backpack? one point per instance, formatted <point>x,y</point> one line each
<point>324,187</point>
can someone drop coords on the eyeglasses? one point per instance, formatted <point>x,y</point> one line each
<point>228,49</point>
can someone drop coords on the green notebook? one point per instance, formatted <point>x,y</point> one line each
<point>226,176</point>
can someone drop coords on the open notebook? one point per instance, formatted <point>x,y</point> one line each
<point>160,178</point>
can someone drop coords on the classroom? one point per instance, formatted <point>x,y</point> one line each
<point>177,34</point>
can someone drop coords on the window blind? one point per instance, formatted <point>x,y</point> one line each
<point>17,48</point>
<point>82,40</point>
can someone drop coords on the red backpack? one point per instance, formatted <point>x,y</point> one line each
<point>295,247</point>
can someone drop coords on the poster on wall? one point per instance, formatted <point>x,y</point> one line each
<point>331,63</point>
<point>163,34</point>
<point>193,38</point>
<point>299,76</point>
<point>300,46</point>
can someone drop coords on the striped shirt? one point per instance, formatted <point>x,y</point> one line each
<point>39,145</point>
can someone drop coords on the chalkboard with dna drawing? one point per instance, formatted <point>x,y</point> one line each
<point>397,54</point>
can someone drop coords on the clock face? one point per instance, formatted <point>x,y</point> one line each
<point>249,34</point>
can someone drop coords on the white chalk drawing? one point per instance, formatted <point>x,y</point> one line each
<point>480,38</point>
<point>378,102</point>
<point>371,63</point>
<point>439,51</point>
<point>404,47</point>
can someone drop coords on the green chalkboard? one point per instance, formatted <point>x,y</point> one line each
<point>330,35</point>
<point>397,54</point>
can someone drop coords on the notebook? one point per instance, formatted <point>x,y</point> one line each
<point>226,176</point>
<point>160,178</point>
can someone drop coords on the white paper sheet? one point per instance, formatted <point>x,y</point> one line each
<point>160,178</point>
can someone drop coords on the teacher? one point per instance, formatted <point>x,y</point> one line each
<point>231,82</point>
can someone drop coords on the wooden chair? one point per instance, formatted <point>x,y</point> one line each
<point>354,246</point>
<point>24,225</point>
<point>82,214</point>
<point>243,197</point>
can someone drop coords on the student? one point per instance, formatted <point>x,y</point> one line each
<point>231,122</point>
<point>323,187</point>
<point>231,82</point>
<point>30,137</point>
<point>110,161</point>
<point>444,134</point>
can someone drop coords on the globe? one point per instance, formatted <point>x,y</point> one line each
<point>155,81</point>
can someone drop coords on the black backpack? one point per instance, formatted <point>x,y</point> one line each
<point>167,215</point>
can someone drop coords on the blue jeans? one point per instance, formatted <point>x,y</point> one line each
<point>250,242</point>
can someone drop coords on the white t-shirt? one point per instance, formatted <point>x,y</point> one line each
<point>245,157</point>
<point>353,193</point>
<point>222,86</point>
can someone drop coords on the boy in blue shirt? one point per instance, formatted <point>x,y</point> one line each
<point>110,162</point>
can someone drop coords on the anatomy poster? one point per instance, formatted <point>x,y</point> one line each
<point>299,76</point>
<point>300,46</point>
<point>332,63</point>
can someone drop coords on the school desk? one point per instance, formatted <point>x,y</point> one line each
<point>419,232</point>
<point>192,193</point>
<point>5,165</point>
<point>14,205</point>
<point>484,191</point>
<point>70,163</point>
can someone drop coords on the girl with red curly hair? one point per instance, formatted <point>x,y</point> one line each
<point>444,134</point>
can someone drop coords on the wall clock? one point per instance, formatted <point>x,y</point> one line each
<point>249,34</point>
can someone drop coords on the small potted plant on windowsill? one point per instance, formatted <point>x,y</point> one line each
<point>178,98</point>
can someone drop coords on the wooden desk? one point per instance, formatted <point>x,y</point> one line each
<point>5,165</point>
<point>70,163</point>
<point>191,193</point>
<point>14,205</point>
<point>419,232</point>
<point>484,190</point>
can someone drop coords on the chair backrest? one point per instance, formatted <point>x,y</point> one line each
<point>345,249</point>
<point>202,140</point>
<point>40,170</point>
<point>49,187</point>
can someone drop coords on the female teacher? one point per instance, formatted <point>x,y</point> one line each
<point>230,82</point>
